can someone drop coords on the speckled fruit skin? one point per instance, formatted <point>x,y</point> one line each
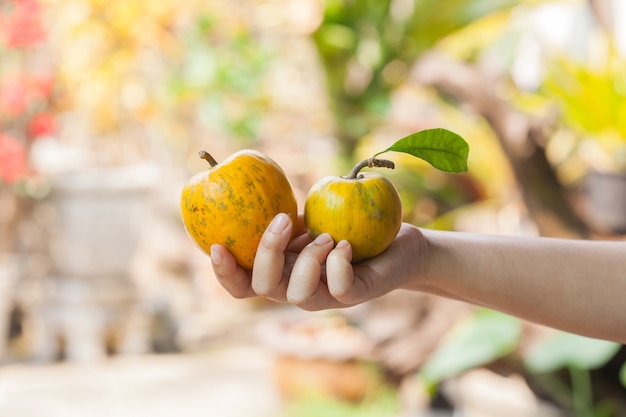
<point>233,202</point>
<point>365,211</point>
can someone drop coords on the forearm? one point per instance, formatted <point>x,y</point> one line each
<point>577,286</point>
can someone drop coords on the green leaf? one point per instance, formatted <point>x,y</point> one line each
<point>486,336</point>
<point>569,350</point>
<point>622,375</point>
<point>439,147</point>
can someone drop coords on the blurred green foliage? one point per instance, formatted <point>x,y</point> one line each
<point>487,336</point>
<point>579,355</point>
<point>481,339</point>
<point>220,76</point>
<point>368,46</point>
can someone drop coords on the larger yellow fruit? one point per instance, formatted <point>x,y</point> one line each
<point>364,209</point>
<point>233,202</point>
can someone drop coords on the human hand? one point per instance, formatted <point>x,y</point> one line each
<point>317,275</point>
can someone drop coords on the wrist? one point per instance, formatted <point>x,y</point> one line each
<point>416,256</point>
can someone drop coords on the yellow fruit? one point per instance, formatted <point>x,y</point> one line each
<point>364,209</point>
<point>233,202</point>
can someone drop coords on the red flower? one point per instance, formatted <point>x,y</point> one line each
<point>13,163</point>
<point>13,95</point>
<point>20,91</point>
<point>23,27</point>
<point>42,124</point>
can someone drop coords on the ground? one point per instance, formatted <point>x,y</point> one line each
<point>227,383</point>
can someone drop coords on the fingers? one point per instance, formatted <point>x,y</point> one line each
<point>316,275</point>
<point>341,281</point>
<point>232,277</point>
<point>268,279</point>
<point>323,277</point>
<point>392,269</point>
<point>267,275</point>
<point>353,284</point>
<point>306,274</point>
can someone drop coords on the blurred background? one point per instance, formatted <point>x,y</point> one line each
<point>107,307</point>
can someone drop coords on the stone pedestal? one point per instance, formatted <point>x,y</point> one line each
<point>89,301</point>
<point>88,318</point>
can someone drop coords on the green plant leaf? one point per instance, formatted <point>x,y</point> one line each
<point>487,335</point>
<point>622,375</point>
<point>569,350</point>
<point>443,149</point>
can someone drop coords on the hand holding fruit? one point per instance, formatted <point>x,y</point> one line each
<point>318,274</point>
<point>352,219</point>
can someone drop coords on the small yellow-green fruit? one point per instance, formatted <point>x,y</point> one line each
<point>362,208</point>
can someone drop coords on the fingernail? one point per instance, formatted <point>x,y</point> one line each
<point>216,256</point>
<point>279,223</point>
<point>323,239</point>
<point>343,244</point>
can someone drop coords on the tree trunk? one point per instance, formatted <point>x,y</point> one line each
<point>521,137</point>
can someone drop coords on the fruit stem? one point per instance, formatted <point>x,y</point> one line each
<point>370,162</point>
<point>207,157</point>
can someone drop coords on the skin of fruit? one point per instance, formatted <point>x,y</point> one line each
<point>365,211</point>
<point>233,202</point>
